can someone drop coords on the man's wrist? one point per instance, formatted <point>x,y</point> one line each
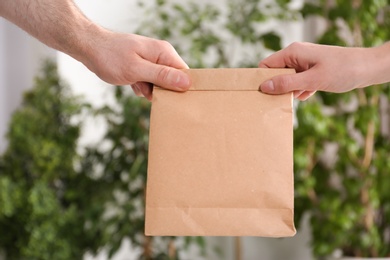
<point>85,46</point>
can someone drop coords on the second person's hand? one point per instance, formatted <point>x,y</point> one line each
<point>326,68</point>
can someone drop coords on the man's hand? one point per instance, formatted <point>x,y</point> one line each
<point>116,58</point>
<point>136,60</point>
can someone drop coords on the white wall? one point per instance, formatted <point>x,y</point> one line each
<point>118,15</point>
<point>20,57</point>
<point>3,83</point>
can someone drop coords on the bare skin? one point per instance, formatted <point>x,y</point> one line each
<point>327,68</point>
<point>140,61</point>
<point>116,58</point>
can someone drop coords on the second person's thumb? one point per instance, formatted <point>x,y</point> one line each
<point>279,85</point>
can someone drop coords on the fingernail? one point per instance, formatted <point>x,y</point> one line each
<point>267,87</point>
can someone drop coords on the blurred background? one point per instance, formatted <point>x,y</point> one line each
<point>73,149</point>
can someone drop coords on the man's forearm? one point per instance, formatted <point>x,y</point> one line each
<point>57,23</point>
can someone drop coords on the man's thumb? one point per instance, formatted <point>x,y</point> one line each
<point>172,78</point>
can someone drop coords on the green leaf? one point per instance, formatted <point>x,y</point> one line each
<point>272,41</point>
<point>311,9</point>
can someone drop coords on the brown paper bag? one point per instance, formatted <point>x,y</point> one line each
<point>221,158</point>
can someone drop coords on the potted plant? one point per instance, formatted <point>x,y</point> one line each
<point>43,200</point>
<point>342,145</point>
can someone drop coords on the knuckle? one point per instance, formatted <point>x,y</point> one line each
<point>299,46</point>
<point>284,84</point>
<point>295,46</point>
<point>165,45</point>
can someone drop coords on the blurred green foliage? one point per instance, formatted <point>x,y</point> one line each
<point>347,196</point>
<point>57,202</point>
<point>44,202</point>
<point>216,34</point>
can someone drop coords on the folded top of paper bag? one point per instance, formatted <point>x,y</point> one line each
<point>242,79</point>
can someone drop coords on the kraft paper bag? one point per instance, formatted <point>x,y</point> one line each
<point>221,158</point>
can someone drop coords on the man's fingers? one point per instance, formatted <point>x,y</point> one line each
<point>170,57</point>
<point>136,89</point>
<point>143,89</point>
<point>146,89</point>
<point>161,52</point>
